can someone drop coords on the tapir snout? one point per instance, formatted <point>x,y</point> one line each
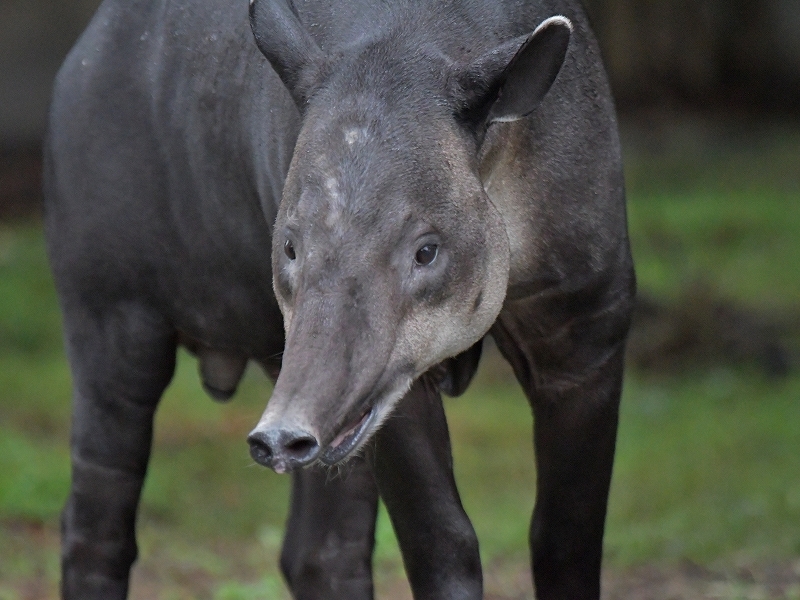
<point>338,373</point>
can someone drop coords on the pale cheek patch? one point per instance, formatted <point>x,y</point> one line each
<point>503,192</point>
<point>434,334</point>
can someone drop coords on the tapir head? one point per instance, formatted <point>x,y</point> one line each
<point>388,256</point>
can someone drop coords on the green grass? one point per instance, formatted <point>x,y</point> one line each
<point>741,243</point>
<point>706,470</point>
<point>720,204</point>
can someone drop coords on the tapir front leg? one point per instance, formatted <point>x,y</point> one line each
<point>414,469</point>
<point>122,358</point>
<point>330,536</point>
<point>570,365</point>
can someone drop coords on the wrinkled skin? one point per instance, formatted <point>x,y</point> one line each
<point>353,201</point>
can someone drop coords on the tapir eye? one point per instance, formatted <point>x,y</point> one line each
<point>288,249</point>
<point>426,255</point>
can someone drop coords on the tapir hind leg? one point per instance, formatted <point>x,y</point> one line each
<point>122,358</point>
<point>414,469</point>
<point>567,353</point>
<point>330,535</point>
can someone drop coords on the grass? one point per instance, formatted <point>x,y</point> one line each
<point>706,469</point>
<point>742,244</point>
<point>717,203</point>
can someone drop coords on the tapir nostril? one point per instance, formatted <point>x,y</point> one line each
<point>301,447</point>
<point>260,450</point>
<point>283,450</point>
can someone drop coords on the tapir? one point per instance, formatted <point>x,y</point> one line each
<point>351,194</point>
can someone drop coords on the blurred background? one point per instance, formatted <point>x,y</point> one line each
<point>705,501</point>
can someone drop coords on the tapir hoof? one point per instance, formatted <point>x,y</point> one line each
<point>283,450</point>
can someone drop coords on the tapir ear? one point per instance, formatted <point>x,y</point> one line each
<point>508,82</point>
<point>288,46</point>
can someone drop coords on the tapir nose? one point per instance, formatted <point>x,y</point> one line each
<point>281,449</point>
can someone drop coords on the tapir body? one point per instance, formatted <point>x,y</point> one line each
<point>351,194</point>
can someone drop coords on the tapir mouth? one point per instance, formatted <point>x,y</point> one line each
<point>349,439</point>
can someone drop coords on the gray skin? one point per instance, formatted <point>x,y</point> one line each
<point>353,201</point>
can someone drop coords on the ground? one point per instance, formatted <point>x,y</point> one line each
<point>160,579</point>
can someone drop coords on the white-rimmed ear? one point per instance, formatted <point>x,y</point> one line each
<point>288,46</point>
<point>508,82</point>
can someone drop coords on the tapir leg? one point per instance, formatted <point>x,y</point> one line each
<point>330,536</point>
<point>122,358</point>
<point>414,469</point>
<point>570,365</point>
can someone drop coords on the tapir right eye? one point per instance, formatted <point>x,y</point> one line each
<point>426,254</point>
<point>288,249</point>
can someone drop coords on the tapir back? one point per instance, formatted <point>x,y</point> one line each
<point>169,140</point>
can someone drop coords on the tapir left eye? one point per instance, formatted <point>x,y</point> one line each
<point>426,254</point>
<point>288,249</point>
